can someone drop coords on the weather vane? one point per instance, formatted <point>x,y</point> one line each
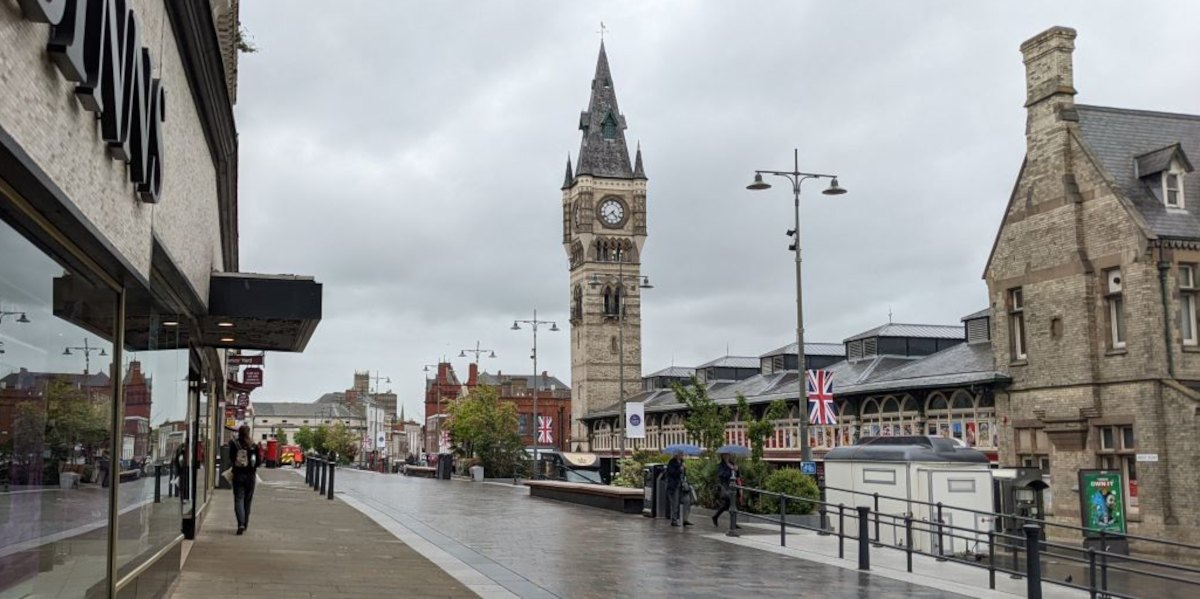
<point>601,31</point>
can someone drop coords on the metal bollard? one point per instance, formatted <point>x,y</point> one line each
<point>783,520</point>
<point>1033,562</point>
<point>864,541</point>
<point>841,531</point>
<point>908,540</point>
<point>308,472</point>
<point>877,517</point>
<point>1103,561</point>
<point>992,559</point>
<point>1092,572</point>
<point>939,529</point>
<point>158,483</point>
<point>322,468</point>
<point>332,469</point>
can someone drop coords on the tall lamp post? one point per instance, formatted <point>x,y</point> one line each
<point>462,353</point>
<point>534,324</point>
<point>87,350</point>
<point>797,177</point>
<point>640,282</point>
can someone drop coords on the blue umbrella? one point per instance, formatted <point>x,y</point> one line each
<point>684,448</point>
<point>736,450</point>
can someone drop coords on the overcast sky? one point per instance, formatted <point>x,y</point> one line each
<point>409,155</point>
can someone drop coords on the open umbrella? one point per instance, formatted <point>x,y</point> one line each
<point>684,448</point>
<point>737,450</point>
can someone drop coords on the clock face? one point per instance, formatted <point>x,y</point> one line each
<point>612,212</point>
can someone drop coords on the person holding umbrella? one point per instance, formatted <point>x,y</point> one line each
<point>674,476</point>
<point>727,477</point>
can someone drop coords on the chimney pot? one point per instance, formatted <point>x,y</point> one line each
<point>1048,68</point>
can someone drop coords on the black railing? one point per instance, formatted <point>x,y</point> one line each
<point>319,474</point>
<point>1093,564</point>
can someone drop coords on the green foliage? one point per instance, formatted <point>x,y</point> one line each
<point>757,430</point>
<point>754,474</point>
<point>482,426</point>
<point>702,474</point>
<point>73,419</point>
<point>320,439</point>
<point>281,436</point>
<point>705,424</point>
<point>788,481</point>
<point>342,441</point>
<point>304,438</point>
<point>633,467</point>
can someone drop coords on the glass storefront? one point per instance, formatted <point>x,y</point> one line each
<point>57,465</point>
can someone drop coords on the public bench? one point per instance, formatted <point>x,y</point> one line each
<point>129,475</point>
<point>620,499</point>
<point>425,471</point>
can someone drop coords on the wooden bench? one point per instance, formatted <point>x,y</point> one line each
<point>129,475</point>
<point>425,471</point>
<point>620,499</point>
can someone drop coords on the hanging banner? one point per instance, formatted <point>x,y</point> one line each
<point>252,377</point>
<point>545,430</point>
<point>635,420</point>
<point>1102,502</point>
<point>243,400</point>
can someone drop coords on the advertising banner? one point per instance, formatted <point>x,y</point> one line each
<point>635,420</point>
<point>243,400</point>
<point>1102,501</point>
<point>252,377</point>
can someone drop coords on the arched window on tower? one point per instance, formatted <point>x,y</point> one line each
<point>577,303</point>
<point>612,300</point>
<point>609,127</point>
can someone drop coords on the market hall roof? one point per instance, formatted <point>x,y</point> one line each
<point>1119,137</point>
<point>810,349</point>
<point>302,410</point>
<point>935,331</point>
<point>732,362</point>
<point>602,151</point>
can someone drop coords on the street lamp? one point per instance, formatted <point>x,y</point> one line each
<point>641,282</point>
<point>462,353</point>
<point>534,324</point>
<point>87,354</point>
<point>796,177</point>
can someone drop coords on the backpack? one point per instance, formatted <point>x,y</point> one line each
<point>242,459</point>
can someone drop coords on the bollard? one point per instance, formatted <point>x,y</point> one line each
<point>908,541</point>
<point>824,513</point>
<point>158,483</point>
<point>939,528</point>
<point>322,468</point>
<point>1103,561</point>
<point>877,517</point>
<point>1092,572</point>
<point>992,559</point>
<point>864,544</point>
<point>841,531</point>
<point>1033,562</point>
<point>783,520</point>
<point>332,469</point>
<point>308,472</point>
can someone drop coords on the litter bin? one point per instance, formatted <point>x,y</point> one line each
<point>654,500</point>
<point>444,466</point>
<point>68,480</point>
<point>477,473</point>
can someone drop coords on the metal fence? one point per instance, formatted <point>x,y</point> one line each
<point>1018,550</point>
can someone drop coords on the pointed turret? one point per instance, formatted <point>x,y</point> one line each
<point>603,152</point>
<point>638,171</point>
<point>569,179</point>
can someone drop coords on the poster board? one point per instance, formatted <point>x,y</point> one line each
<point>1102,502</point>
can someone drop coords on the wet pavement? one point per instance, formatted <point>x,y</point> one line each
<point>541,548</point>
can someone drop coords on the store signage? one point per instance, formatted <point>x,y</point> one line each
<point>1102,502</point>
<point>252,377</point>
<point>1147,457</point>
<point>243,400</point>
<point>97,44</point>
<point>244,360</point>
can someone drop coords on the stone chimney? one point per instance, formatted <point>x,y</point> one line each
<point>1050,109</point>
<point>473,375</point>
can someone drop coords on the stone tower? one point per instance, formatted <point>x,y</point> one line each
<point>604,229</point>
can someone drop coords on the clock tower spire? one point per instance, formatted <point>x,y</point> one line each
<point>604,230</point>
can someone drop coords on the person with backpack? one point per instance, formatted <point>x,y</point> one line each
<point>245,457</point>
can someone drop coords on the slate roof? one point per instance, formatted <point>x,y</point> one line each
<point>984,313</point>
<point>28,379</point>
<point>937,331</point>
<point>673,372</point>
<point>962,364</point>
<point>546,382</point>
<point>732,362</point>
<point>601,155</point>
<point>336,397</point>
<point>1118,136</point>
<point>302,410</point>
<point>810,349</point>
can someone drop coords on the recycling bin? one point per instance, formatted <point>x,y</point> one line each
<point>654,501</point>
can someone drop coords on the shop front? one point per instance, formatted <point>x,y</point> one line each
<point>119,290</point>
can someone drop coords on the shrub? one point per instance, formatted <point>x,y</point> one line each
<point>788,481</point>
<point>702,474</point>
<point>631,469</point>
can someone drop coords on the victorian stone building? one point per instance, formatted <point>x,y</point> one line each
<point>1092,282</point>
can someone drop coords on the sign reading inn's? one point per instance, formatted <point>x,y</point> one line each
<point>97,45</point>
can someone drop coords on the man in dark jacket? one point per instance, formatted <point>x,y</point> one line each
<point>674,477</point>
<point>245,458</point>
<point>727,475</point>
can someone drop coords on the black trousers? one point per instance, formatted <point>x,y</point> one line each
<point>243,494</point>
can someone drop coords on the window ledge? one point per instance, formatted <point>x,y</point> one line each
<point>1021,362</point>
<point>1191,348</point>
<point>1118,351</point>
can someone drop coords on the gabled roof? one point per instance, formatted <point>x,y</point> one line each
<point>1157,161</point>
<point>681,372</point>
<point>1117,137</point>
<point>936,331</point>
<point>984,313</point>
<point>732,362</point>
<point>602,152</point>
<point>810,349</point>
<point>546,382</point>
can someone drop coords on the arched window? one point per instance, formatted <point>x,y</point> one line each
<point>612,300</point>
<point>964,416</point>
<point>889,417</point>
<point>577,303</point>
<point>608,128</point>
<point>937,401</point>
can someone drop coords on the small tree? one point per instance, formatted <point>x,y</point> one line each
<point>705,423</point>
<point>758,429</point>
<point>320,439</point>
<point>343,442</point>
<point>281,436</point>
<point>304,438</point>
<point>482,426</point>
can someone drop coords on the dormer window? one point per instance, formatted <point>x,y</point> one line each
<point>1173,188</point>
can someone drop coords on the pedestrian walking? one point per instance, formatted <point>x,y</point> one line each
<point>245,457</point>
<point>687,497</point>
<point>727,476</point>
<point>674,476</point>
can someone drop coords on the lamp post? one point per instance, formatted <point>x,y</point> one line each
<point>796,177</point>
<point>462,353</point>
<point>534,324</point>
<point>87,350</point>
<point>21,317</point>
<point>640,282</point>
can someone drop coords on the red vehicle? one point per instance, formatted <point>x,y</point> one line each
<point>272,454</point>
<point>291,454</point>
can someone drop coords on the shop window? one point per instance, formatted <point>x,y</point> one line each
<point>57,442</point>
<point>1118,451</point>
<point>964,417</point>
<point>1016,323</point>
<point>1187,303</point>
<point>1114,299</point>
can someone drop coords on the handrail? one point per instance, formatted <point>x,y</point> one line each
<point>1096,563</point>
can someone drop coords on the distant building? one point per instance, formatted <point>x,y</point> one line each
<point>290,416</point>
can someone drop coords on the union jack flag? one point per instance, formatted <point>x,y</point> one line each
<point>819,384</point>
<point>545,430</point>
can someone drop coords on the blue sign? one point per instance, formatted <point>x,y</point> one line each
<point>634,419</point>
<point>809,468</point>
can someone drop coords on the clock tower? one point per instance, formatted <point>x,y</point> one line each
<point>604,229</point>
